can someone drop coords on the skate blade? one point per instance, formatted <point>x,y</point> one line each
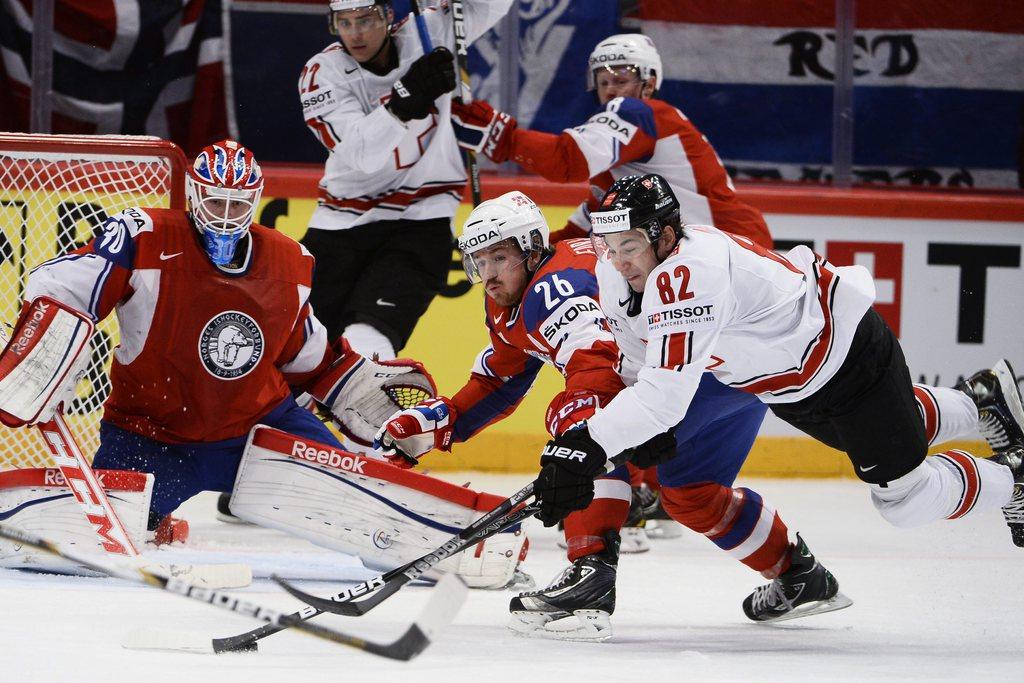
<point>1011,393</point>
<point>592,625</point>
<point>633,540</point>
<point>660,529</point>
<point>837,602</point>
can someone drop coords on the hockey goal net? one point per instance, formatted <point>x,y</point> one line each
<point>55,193</point>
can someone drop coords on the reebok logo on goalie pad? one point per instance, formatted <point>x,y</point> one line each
<point>331,458</point>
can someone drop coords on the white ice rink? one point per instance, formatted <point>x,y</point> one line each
<point>941,602</point>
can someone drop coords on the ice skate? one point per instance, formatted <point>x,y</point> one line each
<point>224,510</point>
<point>1000,406</point>
<point>633,535</point>
<point>1013,512</point>
<point>804,589</point>
<point>577,605</point>
<point>658,523</point>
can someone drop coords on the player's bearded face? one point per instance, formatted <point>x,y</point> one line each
<point>632,254</point>
<point>618,81</point>
<point>502,272</point>
<point>362,31</point>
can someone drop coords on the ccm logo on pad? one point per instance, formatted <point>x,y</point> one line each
<point>331,458</point>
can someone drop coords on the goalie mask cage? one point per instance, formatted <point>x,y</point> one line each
<point>55,193</point>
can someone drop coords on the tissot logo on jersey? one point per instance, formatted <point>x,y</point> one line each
<point>230,345</point>
<point>684,316</point>
<point>318,102</point>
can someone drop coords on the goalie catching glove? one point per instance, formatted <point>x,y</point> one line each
<point>480,128</point>
<point>361,393</point>
<point>408,434</point>
<point>39,368</point>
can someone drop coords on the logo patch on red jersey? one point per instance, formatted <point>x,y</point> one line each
<point>230,345</point>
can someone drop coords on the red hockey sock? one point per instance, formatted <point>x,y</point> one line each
<point>585,529</point>
<point>736,520</point>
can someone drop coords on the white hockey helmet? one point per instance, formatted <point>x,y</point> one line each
<point>512,216</point>
<point>626,49</point>
<point>343,5</point>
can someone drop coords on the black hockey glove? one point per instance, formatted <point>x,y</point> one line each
<point>568,464</point>
<point>429,77</point>
<point>654,451</point>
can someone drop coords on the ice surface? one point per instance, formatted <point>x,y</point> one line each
<point>940,602</point>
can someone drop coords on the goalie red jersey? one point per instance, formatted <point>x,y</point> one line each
<point>205,351</point>
<point>559,322</point>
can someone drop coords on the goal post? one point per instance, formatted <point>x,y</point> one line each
<point>55,193</point>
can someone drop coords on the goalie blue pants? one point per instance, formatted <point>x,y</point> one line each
<point>181,471</point>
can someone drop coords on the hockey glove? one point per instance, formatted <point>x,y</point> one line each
<point>429,77</point>
<point>568,464</point>
<point>570,409</point>
<point>480,128</point>
<point>410,433</point>
<point>656,450</point>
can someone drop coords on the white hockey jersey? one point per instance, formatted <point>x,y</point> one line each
<point>777,326</point>
<point>379,168</point>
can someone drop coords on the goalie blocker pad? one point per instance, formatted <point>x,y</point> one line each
<point>39,500</point>
<point>43,361</point>
<point>385,515</point>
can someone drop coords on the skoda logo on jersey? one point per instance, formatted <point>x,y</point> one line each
<point>231,345</point>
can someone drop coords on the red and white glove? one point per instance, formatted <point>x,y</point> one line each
<point>410,433</point>
<point>569,409</point>
<point>480,128</point>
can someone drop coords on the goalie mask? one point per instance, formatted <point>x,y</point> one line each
<point>223,186</point>
<point>632,50</point>
<point>512,216</point>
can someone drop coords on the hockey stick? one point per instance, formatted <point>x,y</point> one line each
<point>247,642</point>
<point>362,598</point>
<point>86,487</point>
<point>448,597</point>
<point>465,94</point>
<point>461,47</point>
<point>100,513</point>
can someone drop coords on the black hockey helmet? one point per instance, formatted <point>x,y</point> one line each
<point>637,202</point>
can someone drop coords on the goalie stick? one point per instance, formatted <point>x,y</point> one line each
<point>447,599</point>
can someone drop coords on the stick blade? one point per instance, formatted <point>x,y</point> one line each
<point>348,608</point>
<point>217,576</point>
<point>446,599</point>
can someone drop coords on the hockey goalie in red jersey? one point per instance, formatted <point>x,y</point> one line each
<point>216,334</point>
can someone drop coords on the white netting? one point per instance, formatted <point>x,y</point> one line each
<point>55,192</point>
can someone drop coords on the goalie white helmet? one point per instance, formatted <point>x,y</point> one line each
<point>512,216</point>
<point>626,49</point>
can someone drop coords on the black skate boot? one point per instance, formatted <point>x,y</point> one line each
<point>804,589</point>
<point>659,524</point>
<point>1013,512</point>
<point>577,605</point>
<point>224,510</point>
<point>1000,406</point>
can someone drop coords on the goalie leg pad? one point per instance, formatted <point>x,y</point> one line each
<point>384,515</point>
<point>47,355</point>
<point>40,501</point>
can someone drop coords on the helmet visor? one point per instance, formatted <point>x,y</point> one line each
<point>492,261</point>
<point>619,247</point>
